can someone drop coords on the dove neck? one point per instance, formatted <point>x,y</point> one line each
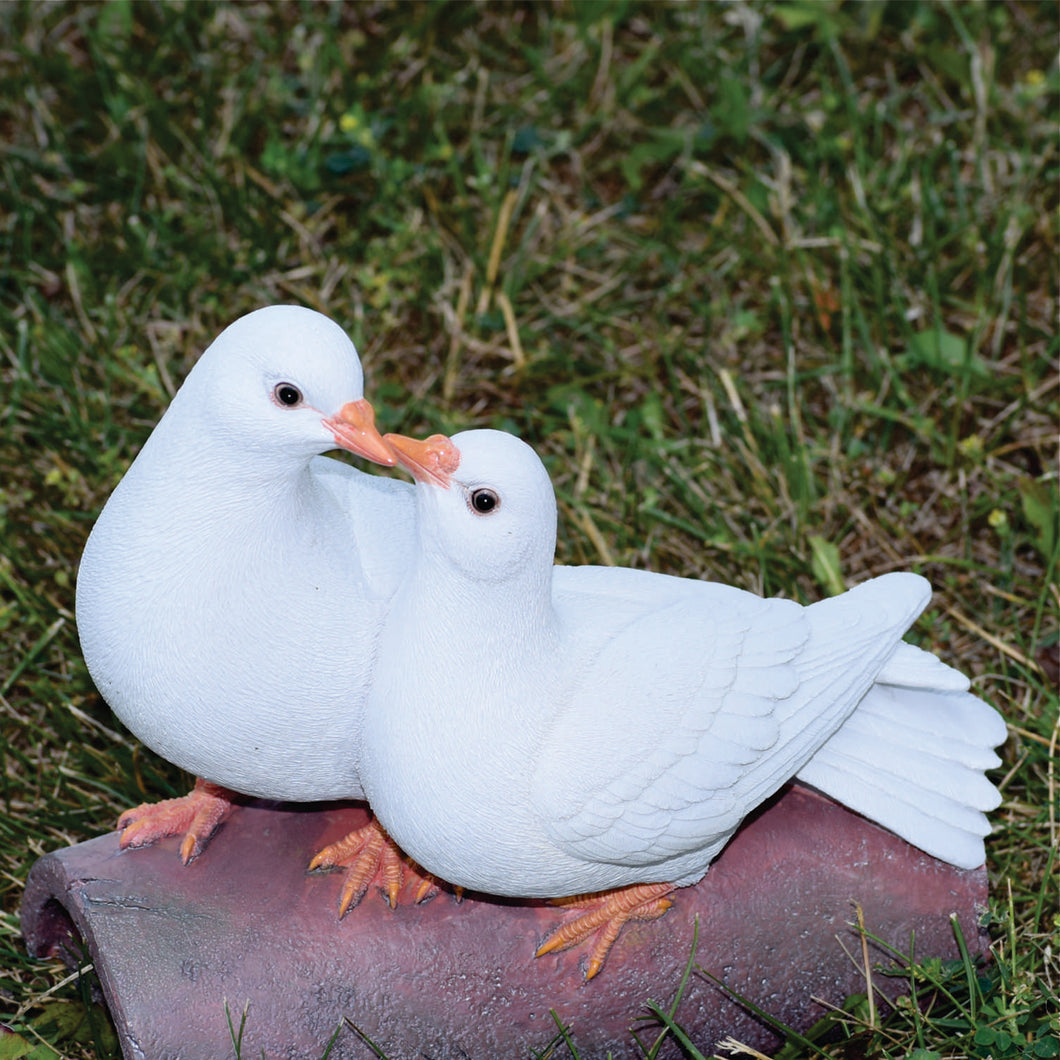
<point>509,612</point>
<point>208,493</point>
<point>196,447</point>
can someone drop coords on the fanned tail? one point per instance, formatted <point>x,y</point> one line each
<point>913,759</point>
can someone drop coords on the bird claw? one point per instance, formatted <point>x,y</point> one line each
<point>196,814</point>
<point>604,916</point>
<point>370,856</point>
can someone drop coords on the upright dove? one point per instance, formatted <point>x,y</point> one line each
<point>541,731</point>
<point>230,593</point>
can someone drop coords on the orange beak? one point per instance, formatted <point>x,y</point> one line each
<point>432,460</point>
<point>354,429</point>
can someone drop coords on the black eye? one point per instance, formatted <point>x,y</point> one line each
<point>288,395</point>
<point>484,501</point>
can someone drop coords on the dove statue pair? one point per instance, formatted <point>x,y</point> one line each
<point>282,625</point>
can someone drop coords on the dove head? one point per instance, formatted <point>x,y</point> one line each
<point>486,503</point>
<point>283,380</point>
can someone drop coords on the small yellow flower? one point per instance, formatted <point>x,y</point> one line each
<point>998,519</point>
<point>349,121</point>
<point>1034,79</point>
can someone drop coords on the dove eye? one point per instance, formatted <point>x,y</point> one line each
<point>483,501</point>
<point>287,395</point>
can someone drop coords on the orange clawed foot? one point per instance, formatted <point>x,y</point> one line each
<point>196,814</point>
<point>604,915</point>
<point>370,856</point>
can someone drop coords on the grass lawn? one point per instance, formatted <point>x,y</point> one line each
<point>772,287</point>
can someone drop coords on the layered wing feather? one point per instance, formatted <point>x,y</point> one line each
<point>695,712</point>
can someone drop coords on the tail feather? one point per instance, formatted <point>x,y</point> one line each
<point>912,759</point>
<point>914,772</point>
<point>955,727</point>
<point>912,667</point>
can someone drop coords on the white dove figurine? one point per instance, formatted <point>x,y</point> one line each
<point>230,593</point>
<point>534,731</point>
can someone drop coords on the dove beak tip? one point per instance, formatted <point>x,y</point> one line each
<point>431,460</point>
<point>353,428</point>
